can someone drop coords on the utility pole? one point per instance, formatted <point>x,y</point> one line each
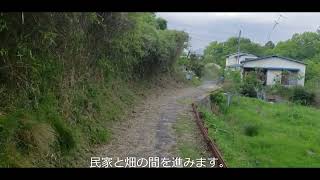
<point>238,46</point>
<point>22,18</point>
<point>276,22</point>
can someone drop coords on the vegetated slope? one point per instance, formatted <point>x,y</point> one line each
<point>254,133</point>
<point>63,76</point>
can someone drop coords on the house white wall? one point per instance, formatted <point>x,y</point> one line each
<point>231,60</point>
<point>276,62</point>
<point>273,76</point>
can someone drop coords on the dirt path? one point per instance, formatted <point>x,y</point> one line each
<point>149,132</point>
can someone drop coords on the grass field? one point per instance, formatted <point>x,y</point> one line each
<point>186,142</point>
<point>254,133</point>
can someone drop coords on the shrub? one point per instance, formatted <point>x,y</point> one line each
<point>248,90</point>
<point>302,96</point>
<point>279,89</point>
<point>251,84</point>
<point>218,100</point>
<point>251,130</point>
<point>193,63</point>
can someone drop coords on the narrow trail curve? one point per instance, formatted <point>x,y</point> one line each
<point>149,132</point>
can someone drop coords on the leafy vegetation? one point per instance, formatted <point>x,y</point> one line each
<point>254,133</point>
<point>218,102</point>
<point>192,62</point>
<point>251,84</point>
<point>187,143</point>
<point>216,52</point>
<point>65,76</point>
<point>302,96</point>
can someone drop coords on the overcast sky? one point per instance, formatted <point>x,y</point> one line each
<point>206,27</point>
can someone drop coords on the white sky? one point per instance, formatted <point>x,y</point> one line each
<point>207,27</point>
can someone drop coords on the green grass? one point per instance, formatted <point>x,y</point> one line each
<point>188,145</point>
<point>60,134</point>
<point>254,133</point>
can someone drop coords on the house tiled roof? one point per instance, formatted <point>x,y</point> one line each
<point>266,57</point>
<point>240,54</point>
<point>276,68</point>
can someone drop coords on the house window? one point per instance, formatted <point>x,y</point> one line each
<point>289,78</point>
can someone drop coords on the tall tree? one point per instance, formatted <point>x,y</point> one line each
<point>216,52</point>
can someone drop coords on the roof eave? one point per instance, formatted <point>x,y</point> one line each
<point>266,57</point>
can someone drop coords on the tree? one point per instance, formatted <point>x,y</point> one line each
<point>300,46</point>
<point>162,23</point>
<point>216,52</point>
<point>269,45</point>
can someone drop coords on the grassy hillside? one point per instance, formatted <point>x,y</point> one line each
<point>254,133</point>
<point>64,77</point>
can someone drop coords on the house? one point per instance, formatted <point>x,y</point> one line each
<point>234,60</point>
<point>288,72</point>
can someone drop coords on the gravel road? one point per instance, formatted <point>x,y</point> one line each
<point>149,131</point>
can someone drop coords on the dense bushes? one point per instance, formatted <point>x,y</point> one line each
<point>218,102</point>
<point>196,65</point>
<point>72,73</point>
<point>217,98</point>
<point>302,96</point>
<point>192,62</point>
<point>49,47</point>
<point>251,84</point>
<point>297,94</point>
